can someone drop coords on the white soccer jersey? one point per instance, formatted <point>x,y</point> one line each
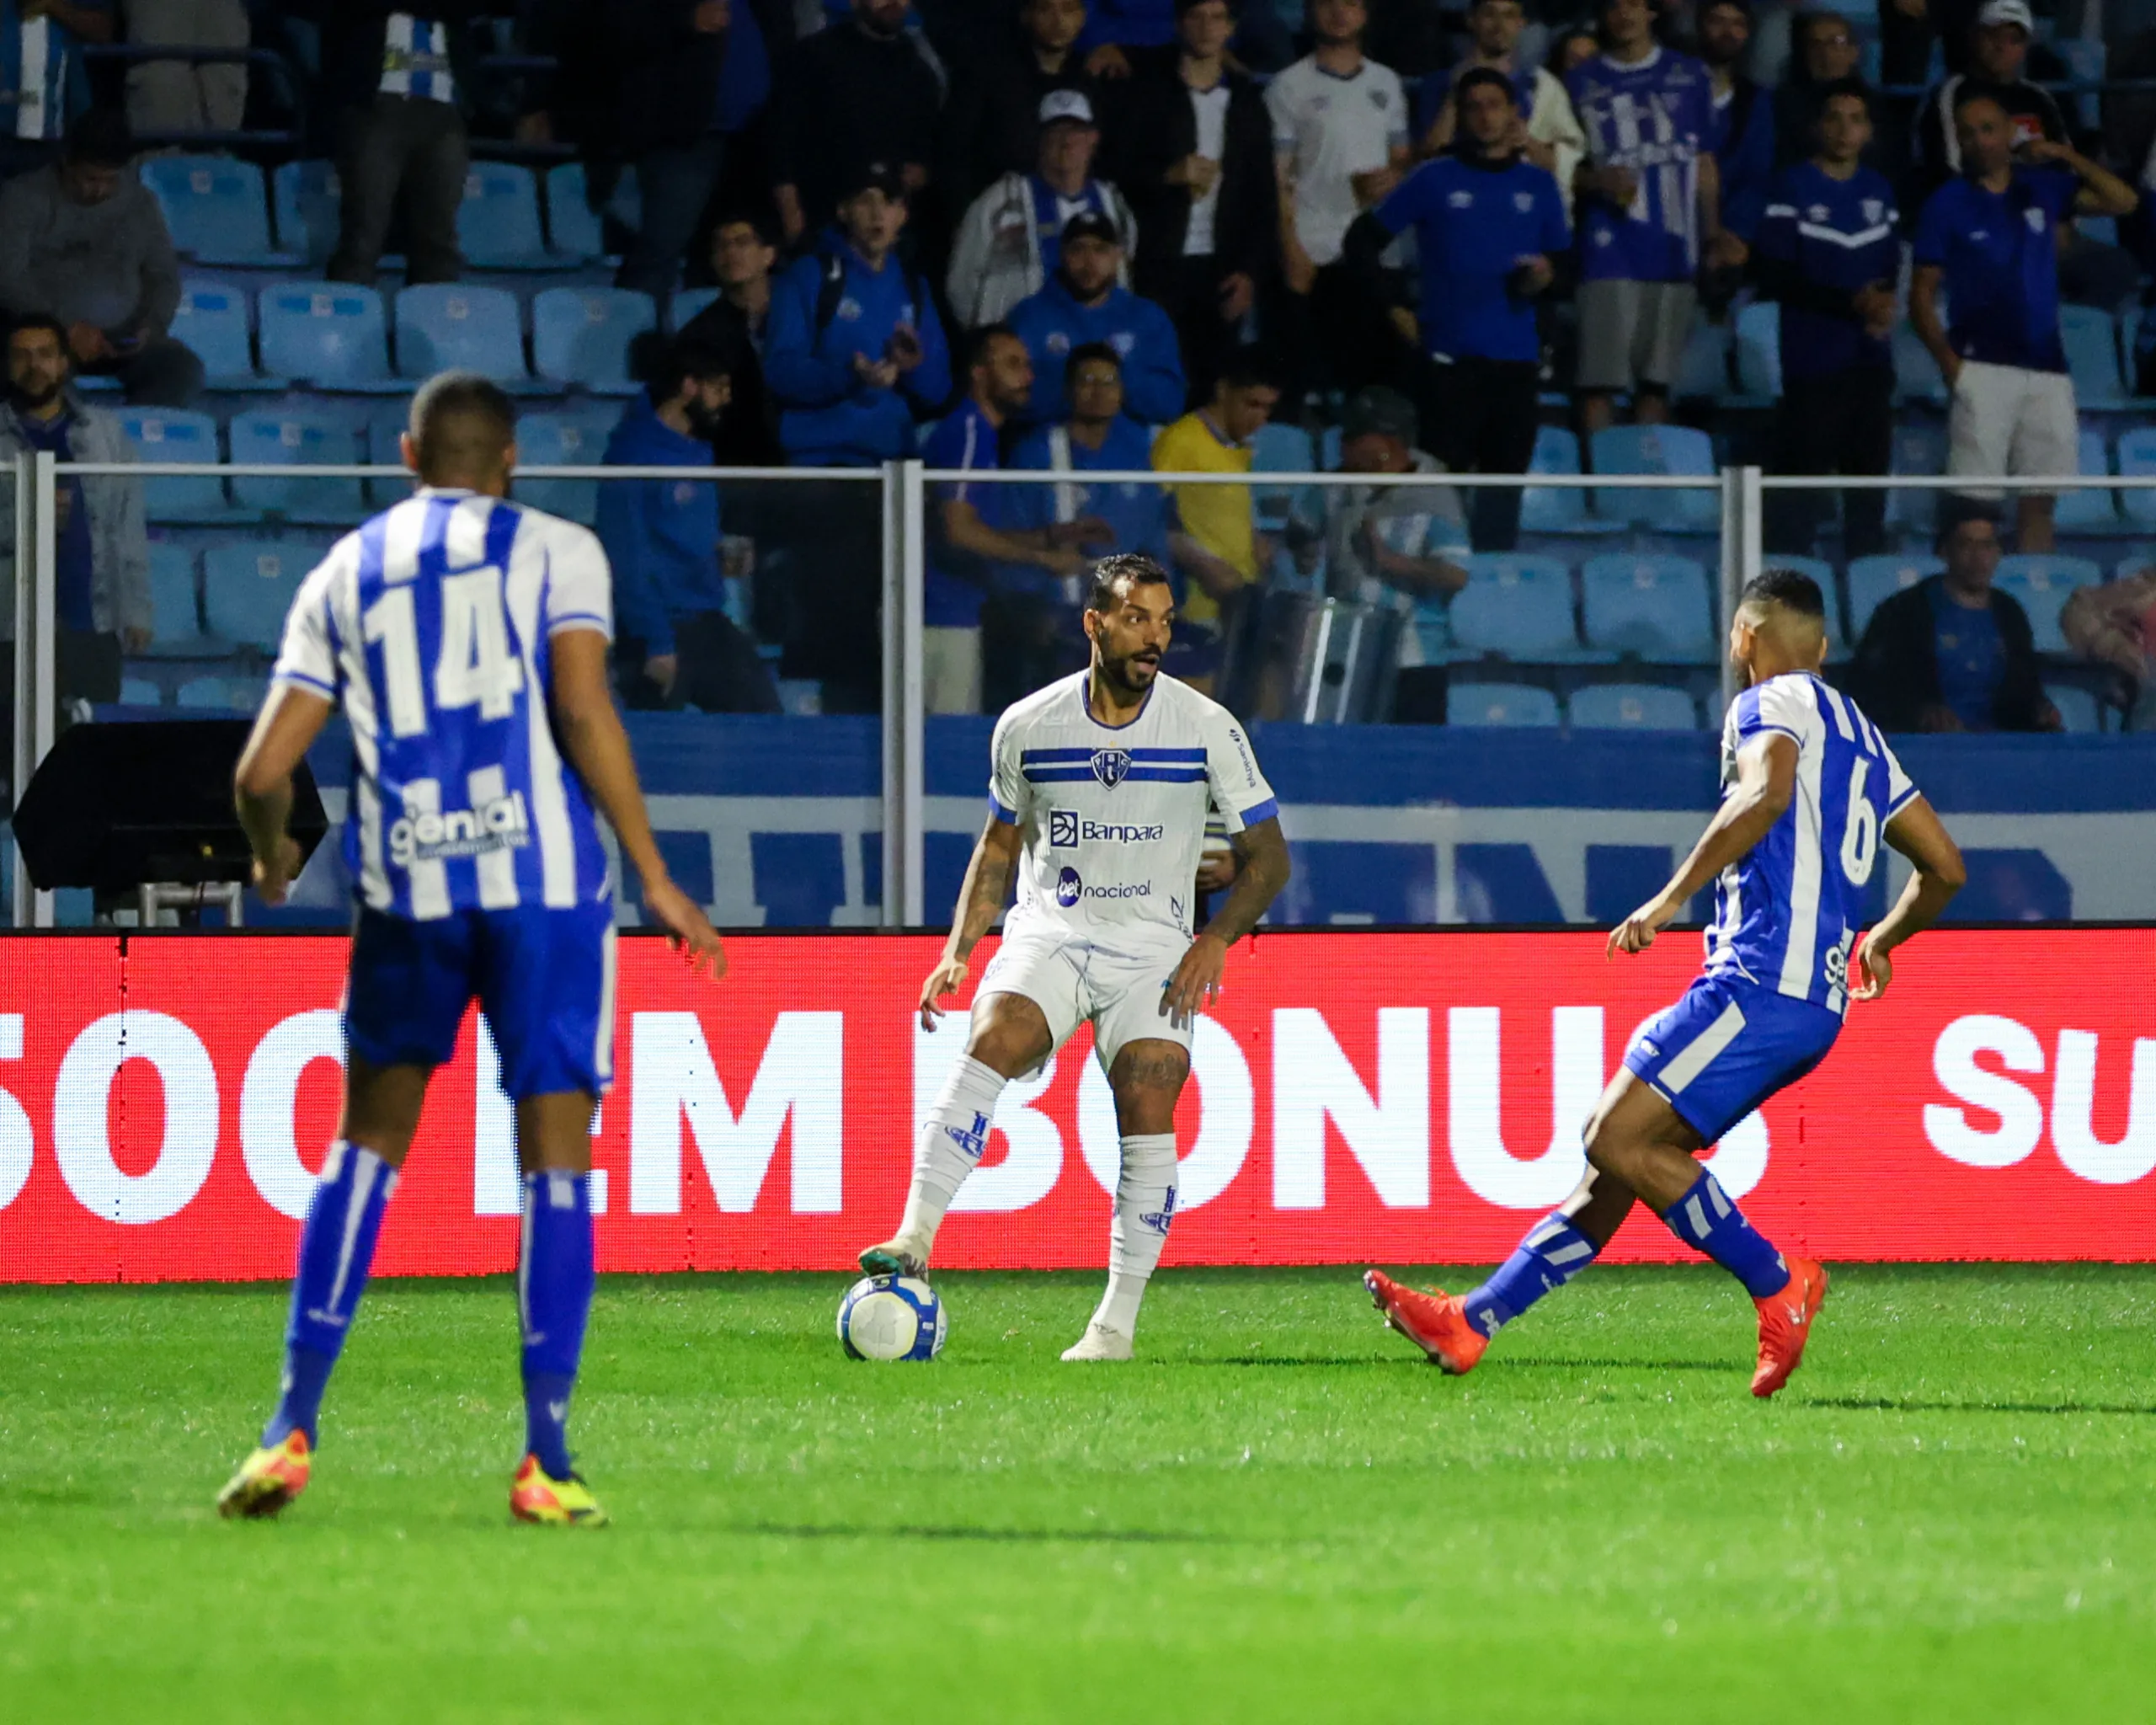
<point>1329,128</point>
<point>1114,817</point>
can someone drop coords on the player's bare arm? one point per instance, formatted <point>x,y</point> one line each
<point>1262,869</point>
<point>1918,833</point>
<point>981,902</point>
<point>1766,781</point>
<point>289,721</point>
<point>591,736</point>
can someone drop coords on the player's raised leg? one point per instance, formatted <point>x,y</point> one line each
<point>1145,1078</point>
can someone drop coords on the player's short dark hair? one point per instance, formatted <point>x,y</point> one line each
<point>98,137</point>
<point>1835,88</point>
<point>982,343</point>
<point>1126,567</point>
<point>41,320</point>
<point>681,362</point>
<point>1090,350</point>
<point>1791,589</point>
<point>461,422</point>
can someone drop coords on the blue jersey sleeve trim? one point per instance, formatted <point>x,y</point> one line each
<point>313,685</point>
<point>1256,812</point>
<point>580,620</point>
<point>1007,816</point>
<point>1902,802</point>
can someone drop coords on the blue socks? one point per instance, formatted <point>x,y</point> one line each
<point>336,1248</point>
<point>554,1280</point>
<point>1552,1254</point>
<point>1704,1218</point>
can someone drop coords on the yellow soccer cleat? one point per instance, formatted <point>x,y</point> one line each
<point>552,1503</point>
<point>268,1479</point>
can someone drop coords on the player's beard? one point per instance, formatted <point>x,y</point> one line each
<point>1128,673</point>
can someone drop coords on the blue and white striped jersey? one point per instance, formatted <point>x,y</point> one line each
<point>433,626</point>
<point>41,75</point>
<point>415,58</point>
<point>1788,911</point>
<point>1654,117</point>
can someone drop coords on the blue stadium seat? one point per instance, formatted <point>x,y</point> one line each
<point>385,425</point>
<point>1916,373</point>
<point>1520,608</point>
<point>575,230</point>
<point>2077,708</point>
<point>307,195</point>
<point>1760,351</point>
<point>140,692</point>
<point>297,436</point>
<point>687,303</point>
<point>498,224</point>
<point>212,319</point>
<point>221,694</point>
<point>581,335</point>
<point>1659,449</point>
<point>1632,707</point>
<point>1500,704</point>
<point>175,603</point>
<point>167,435</point>
<point>2092,356</point>
<point>2042,584</point>
<point>2085,64</point>
<point>247,589</point>
<point>446,325</point>
<point>2089,511</point>
<point>216,209</point>
<point>2138,460</point>
<point>1872,579</point>
<point>327,334</point>
<point>1919,448</point>
<point>1703,368</point>
<point>1657,607</point>
<point>1279,449</point>
<point>564,440</point>
<point>1550,509</point>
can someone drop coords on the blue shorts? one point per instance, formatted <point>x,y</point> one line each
<point>545,979</point>
<point>1726,1048</point>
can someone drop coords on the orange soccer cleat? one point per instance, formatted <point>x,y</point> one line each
<point>1785,1323</point>
<point>268,1479</point>
<point>535,1495</point>
<point>1435,1321</point>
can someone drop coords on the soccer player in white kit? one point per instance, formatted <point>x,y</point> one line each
<point>1097,797</point>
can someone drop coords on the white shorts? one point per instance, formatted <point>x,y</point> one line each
<point>2006,420</point>
<point>1072,980</point>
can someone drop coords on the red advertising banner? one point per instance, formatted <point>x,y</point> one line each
<point>1389,1098</point>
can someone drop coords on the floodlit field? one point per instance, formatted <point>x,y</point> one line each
<point>1277,1513</point>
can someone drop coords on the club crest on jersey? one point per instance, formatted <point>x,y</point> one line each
<point>1063,828</point>
<point>1111,766</point>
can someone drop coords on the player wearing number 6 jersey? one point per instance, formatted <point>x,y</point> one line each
<point>466,639</point>
<point>1809,789</point>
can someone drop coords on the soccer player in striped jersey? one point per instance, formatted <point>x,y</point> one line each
<point>1096,800</point>
<point>466,638</point>
<point>1809,789</point>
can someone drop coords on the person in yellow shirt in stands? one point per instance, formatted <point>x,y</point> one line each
<point>1214,539</point>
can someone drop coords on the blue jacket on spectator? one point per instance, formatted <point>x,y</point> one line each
<point>661,536</point>
<point>1051,323</point>
<point>827,309</point>
<point>1743,138</point>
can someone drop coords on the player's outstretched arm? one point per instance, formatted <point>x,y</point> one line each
<point>1766,781</point>
<point>592,738</point>
<point>1918,833</point>
<point>285,728</point>
<point>981,902</point>
<point>1262,868</point>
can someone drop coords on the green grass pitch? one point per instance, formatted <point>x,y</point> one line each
<point>1277,1513</point>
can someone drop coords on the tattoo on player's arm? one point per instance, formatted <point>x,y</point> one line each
<point>1262,853</point>
<point>988,884</point>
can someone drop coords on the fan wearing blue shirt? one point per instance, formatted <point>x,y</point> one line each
<point>1085,301</point>
<point>1829,250</point>
<point>1487,225</point>
<point>1990,237</point>
<point>1740,127</point>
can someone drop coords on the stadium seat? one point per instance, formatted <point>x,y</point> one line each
<point>575,230</point>
<point>687,303</point>
<point>1279,449</point>
<point>1550,509</point>
<point>562,441</point>
<point>307,194</point>
<point>498,224</point>
<point>1916,373</point>
<point>1703,368</point>
<point>1659,449</point>
<point>2092,356</point>
<point>212,319</point>
<point>385,424</point>
<point>1919,448</point>
<point>1520,608</point>
<point>2077,708</point>
<point>327,334</point>
<point>1657,607</point>
<point>1500,704</point>
<point>175,603</point>
<point>1632,707</point>
<point>216,209</point>
<point>168,435</point>
<point>297,436</point>
<point>2085,64</point>
<point>2042,584</point>
<point>446,325</point>
<point>1760,351</point>
<point>247,589</point>
<point>581,335</point>
<point>221,694</point>
<point>2138,460</point>
<point>1872,579</point>
<point>140,692</point>
<point>2089,511</point>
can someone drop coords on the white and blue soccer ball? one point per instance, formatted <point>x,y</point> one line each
<point>891,1318</point>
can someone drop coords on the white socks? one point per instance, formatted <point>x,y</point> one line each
<point>952,1142</point>
<point>1144,1203</point>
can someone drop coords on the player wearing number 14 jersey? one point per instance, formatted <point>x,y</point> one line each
<point>466,639</point>
<point>1809,789</point>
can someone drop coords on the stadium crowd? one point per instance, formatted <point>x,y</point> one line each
<point>1381,236</point>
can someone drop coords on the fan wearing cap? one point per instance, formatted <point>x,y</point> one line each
<point>992,125</point>
<point>1997,66</point>
<point>1085,301</point>
<point>1010,241</point>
